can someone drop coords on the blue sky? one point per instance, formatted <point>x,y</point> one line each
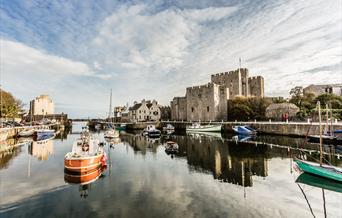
<point>75,51</point>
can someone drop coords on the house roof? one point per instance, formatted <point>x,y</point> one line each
<point>149,105</point>
<point>135,107</point>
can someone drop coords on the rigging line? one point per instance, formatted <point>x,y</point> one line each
<point>324,207</point>
<point>307,201</point>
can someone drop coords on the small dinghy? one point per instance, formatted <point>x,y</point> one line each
<point>168,127</point>
<point>43,133</point>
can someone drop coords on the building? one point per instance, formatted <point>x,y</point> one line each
<point>321,89</point>
<point>145,111</point>
<point>209,102</point>
<point>277,111</point>
<point>42,105</point>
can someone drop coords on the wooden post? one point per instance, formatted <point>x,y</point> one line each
<point>320,134</point>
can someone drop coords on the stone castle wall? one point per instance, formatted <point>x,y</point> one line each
<point>256,86</point>
<point>178,108</point>
<point>207,102</point>
<point>235,81</point>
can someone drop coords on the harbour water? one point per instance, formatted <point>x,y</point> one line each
<point>211,176</point>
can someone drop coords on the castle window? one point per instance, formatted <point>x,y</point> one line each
<point>207,108</point>
<point>192,109</point>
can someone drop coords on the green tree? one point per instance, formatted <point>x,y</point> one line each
<point>244,109</point>
<point>10,107</point>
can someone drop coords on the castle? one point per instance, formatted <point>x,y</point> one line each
<point>210,102</point>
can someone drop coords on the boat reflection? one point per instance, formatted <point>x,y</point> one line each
<point>113,141</point>
<point>84,179</point>
<point>319,182</point>
<point>242,138</point>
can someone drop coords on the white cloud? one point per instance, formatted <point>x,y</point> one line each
<point>19,58</point>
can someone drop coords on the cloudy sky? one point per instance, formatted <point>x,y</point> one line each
<point>75,51</point>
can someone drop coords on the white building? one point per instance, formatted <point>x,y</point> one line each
<point>42,105</point>
<point>144,111</point>
<point>321,89</point>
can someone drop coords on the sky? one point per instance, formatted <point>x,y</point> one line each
<point>76,51</point>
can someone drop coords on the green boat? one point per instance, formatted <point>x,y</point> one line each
<point>121,127</point>
<point>326,171</point>
<point>319,182</point>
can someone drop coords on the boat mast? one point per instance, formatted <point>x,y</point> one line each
<point>331,121</point>
<point>110,105</point>
<point>320,133</point>
<point>327,118</point>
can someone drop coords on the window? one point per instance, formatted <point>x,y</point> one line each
<point>139,111</point>
<point>207,108</point>
<point>192,109</point>
<point>139,116</point>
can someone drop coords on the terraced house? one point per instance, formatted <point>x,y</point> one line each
<point>145,111</point>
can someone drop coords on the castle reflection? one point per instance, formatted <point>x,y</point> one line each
<point>41,149</point>
<point>227,161</point>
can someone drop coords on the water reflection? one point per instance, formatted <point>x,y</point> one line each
<point>209,176</point>
<point>41,149</point>
<point>84,179</point>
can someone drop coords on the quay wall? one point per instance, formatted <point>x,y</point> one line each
<point>275,128</point>
<point>13,131</point>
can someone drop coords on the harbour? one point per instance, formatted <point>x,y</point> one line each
<point>139,172</point>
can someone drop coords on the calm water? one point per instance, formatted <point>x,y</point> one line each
<point>211,176</point>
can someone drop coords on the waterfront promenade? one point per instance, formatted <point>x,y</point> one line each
<point>263,127</point>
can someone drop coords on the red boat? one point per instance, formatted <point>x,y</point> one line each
<point>84,178</point>
<point>86,155</point>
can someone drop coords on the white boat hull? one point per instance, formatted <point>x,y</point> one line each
<point>207,128</point>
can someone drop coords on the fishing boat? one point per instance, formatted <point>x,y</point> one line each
<point>26,132</point>
<point>197,127</point>
<point>86,155</point>
<point>151,131</point>
<point>320,169</point>
<point>171,147</point>
<point>83,178</point>
<point>244,130</point>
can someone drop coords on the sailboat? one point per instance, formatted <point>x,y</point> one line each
<point>320,169</point>
<point>111,132</point>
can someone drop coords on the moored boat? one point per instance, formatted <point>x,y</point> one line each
<point>26,132</point>
<point>324,170</point>
<point>197,127</point>
<point>326,139</point>
<point>320,169</point>
<point>151,131</point>
<point>168,127</point>
<point>86,155</point>
<point>43,133</point>
<point>112,133</point>
<point>83,178</point>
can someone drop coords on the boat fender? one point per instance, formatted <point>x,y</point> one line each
<point>104,159</point>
